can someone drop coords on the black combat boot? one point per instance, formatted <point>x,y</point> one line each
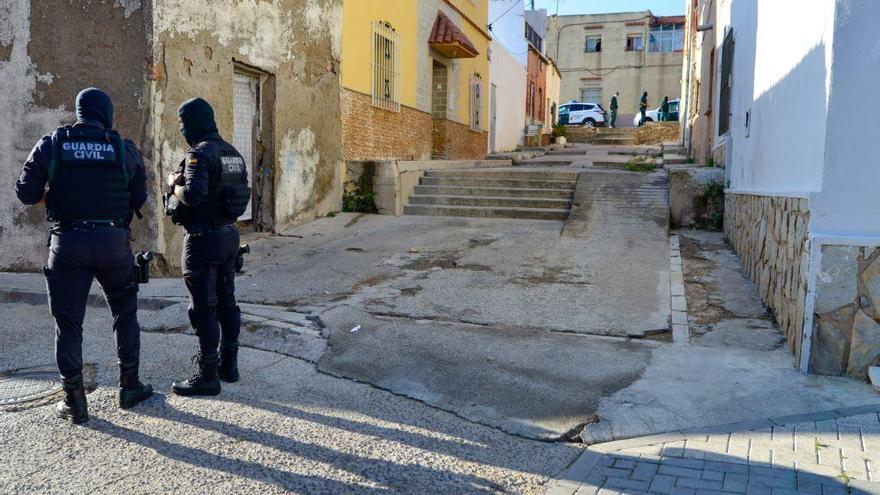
<point>228,370</point>
<point>131,391</point>
<point>204,380</point>
<point>73,407</point>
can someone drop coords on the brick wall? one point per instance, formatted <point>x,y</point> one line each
<point>454,141</point>
<point>370,133</point>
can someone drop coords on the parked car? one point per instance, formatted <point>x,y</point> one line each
<point>588,114</point>
<point>653,115</point>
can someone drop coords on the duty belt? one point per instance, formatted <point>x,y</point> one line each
<point>200,230</point>
<point>83,225</point>
<point>67,226</point>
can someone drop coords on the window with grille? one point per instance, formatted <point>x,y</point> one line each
<point>594,44</point>
<point>534,38</point>
<point>725,83</point>
<point>385,86</point>
<point>666,38</point>
<point>476,101</point>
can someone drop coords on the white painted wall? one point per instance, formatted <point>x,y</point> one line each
<point>849,203</point>
<point>552,88</point>
<point>781,69</point>
<point>507,18</point>
<point>509,77</point>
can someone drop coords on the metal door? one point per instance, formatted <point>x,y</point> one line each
<point>245,124</point>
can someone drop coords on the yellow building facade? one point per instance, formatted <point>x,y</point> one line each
<point>415,79</point>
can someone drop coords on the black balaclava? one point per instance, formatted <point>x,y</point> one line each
<point>196,120</point>
<point>93,106</point>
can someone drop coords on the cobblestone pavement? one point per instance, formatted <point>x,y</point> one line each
<point>836,452</point>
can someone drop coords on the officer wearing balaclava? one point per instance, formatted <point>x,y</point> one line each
<point>96,181</point>
<point>210,187</point>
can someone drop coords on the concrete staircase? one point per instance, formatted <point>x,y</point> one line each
<point>618,136</point>
<point>494,193</point>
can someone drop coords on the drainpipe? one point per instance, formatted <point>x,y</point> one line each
<point>685,130</point>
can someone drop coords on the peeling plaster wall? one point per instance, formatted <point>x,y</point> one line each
<point>296,41</point>
<point>41,75</point>
<point>150,57</point>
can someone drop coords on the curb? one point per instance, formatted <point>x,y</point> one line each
<point>94,301</point>
<point>677,295</point>
<point>734,427</point>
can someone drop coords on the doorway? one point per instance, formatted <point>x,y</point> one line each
<point>439,107</point>
<point>252,124</point>
<point>493,95</point>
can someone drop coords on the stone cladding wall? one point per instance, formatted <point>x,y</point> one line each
<point>846,315</point>
<point>770,234</point>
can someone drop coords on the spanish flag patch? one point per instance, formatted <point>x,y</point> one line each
<point>193,161</point>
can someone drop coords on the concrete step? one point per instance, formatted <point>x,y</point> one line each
<point>505,174</point>
<point>673,148</point>
<point>622,164</point>
<point>616,141</point>
<point>567,152</point>
<point>487,182</point>
<point>674,159</point>
<point>487,212</point>
<point>560,161</point>
<point>635,151</point>
<point>494,191</point>
<point>502,201</point>
<point>615,130</point>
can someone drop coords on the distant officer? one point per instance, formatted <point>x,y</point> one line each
<point>614,109</point>
<point>210,189</point>
<point>643,107</point>
<point>96,180</point>
<point>664,109</point>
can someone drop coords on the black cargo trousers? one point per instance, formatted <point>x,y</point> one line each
<point>209,256</point>
<point>77,255</point>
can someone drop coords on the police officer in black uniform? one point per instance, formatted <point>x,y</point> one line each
<point>96,180</point>
<point>209,191</point>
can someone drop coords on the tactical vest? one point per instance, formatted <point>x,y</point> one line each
<point>88,177</point>
<point>228,191</point>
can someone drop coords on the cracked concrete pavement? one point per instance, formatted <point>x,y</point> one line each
<point>286,427</point>
<point>476,336</point>
<point>735,369</point>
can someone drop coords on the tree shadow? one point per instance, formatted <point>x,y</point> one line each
<point>377,470</point>
<point>237,467</point>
